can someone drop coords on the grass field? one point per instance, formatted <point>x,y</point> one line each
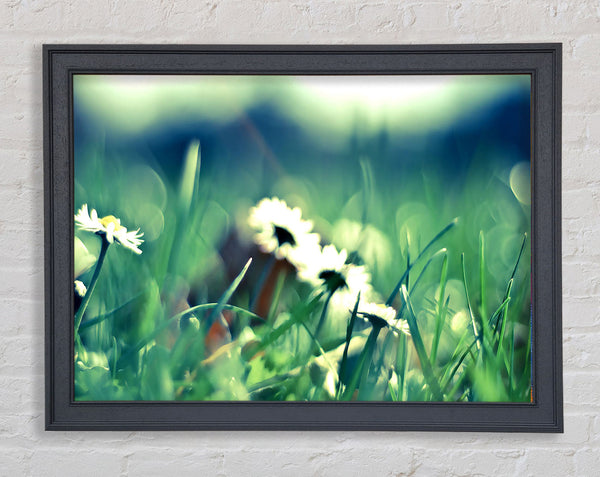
<point>278,238</point>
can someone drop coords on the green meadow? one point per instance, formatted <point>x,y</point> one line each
<point>302,238</point>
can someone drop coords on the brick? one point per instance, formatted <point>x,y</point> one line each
<point>176,16</point>
<point>484,15</point>
<point>593,129</point>
<point>18,167</point>
<point>19,390</point>
<point>588,272</point>
<point>581,203</point>
<point>89,14</point>
<point>162,461</point>
<point>553,18</point>
<point>582,89</point>
<point>431,16</point>
<point>22,316</point>
<point>21,354</point>
<point>467,462</point>
<point>95,463</point>
<point>580,167</point>
<point>581,312</point>
<point>584,49</point>
<point>587,461</point>
<point>581,389</point>
<point>547,462</point>
<point>23,209</point>
<point>15,462</point>
<point>574,129</point>
<point>40,16</point>
<point>581,351</point>
<point>379,17</point>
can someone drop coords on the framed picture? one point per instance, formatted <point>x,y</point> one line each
<point>295,237</point>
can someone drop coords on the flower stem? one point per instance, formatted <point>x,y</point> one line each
<point>90,289</point>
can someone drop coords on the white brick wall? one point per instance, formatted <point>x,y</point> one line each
<point>25,449</point>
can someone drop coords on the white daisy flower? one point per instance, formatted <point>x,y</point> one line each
<point>328,267</point>
<point>382,315</point>
<point>281,230</point>
<point>110,227</point>
<point>80,288</point>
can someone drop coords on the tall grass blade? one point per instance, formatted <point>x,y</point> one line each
<point>109,314</point>
<point>415,334</point>
<point>457,365</point>
<point>190,177</point>
<point>349,330</point>
<point>477,326</point>
<point>509,289</point>
<point>401,361</point>
<point>187,188</point>
<point>297,315</point>
<point>363,364</point>
<point>276,298</point>
<point>367,177</point>
<point>441,310</point>
<point>227,295</point>
<point>388,337</point>
<point>321,350</point>
<point>392,392</point>
<point>482,280</point>
<point>443,232</point>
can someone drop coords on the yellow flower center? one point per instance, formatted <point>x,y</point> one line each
<point>111,219</point>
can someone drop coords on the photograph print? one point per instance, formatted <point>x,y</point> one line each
<point>302,238</point>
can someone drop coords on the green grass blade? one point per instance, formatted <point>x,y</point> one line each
<point>504,312</point>
<point>427,247</point>
<point>509,289</point>
<point>273,381</point>
<point>297,316</point>
<point>511,371</point>
<point>363,364</point>
<point>109,314</point>
<point>367,177</point>
<point>276,297</point>
<point>401,362</point>
<point>495,316</point>
<point>440,252</point>
<point>408,265</point>
<point>482,278</point>
<point>321,350</point>
<point>114,360</point>
<point>388,337</point>
<point>190,177</point>
<point>392,392</point>
<point>477,327</point>
<point>440,314</point>
<point>227,295</point>
<point>415,334</point>
<point>457,365</point>
<point>349,330</point>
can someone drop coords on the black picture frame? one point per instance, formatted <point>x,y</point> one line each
<point>541,61</point>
